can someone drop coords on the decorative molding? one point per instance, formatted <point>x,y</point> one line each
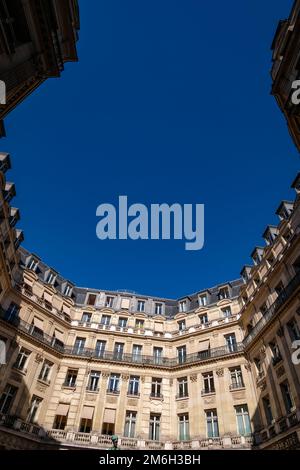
<point>220,372</point>
<point>280,371</point>
<point>194,378</point>
<point>39,358</point>
<point>248,367</point>
<point>125,377</point>
<point>280,332</point>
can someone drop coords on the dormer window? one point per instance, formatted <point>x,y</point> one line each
<point>245,273</point>
<point>158,308</point>
<point>91,299</point>
<point>202,300</point>
<point>257,255</point>
<point>109,301</point>
<point>182,306</point>
<point>50,278</point>
<point>67,290</point>
<point>32,264</point>
<point>226,312</point>
<point>141,306</point>
<point>284,210</point>
<point>181,325</point>
<point>270,235</point>
<point>223,293</point>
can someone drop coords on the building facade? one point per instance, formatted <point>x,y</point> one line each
<point>210,370</point>
<point>36,39</point>
<point>286,69</point>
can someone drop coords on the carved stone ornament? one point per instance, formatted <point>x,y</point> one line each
<point>194,378</point>
<point>38,358</point>
<point>220,372</point>
<point>125,377</point>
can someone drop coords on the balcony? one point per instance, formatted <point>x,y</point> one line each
<point>272,312</point>
<point>207,391</point>
<point>113,391</point>
<point>236,386</point>
<point>279,426</point>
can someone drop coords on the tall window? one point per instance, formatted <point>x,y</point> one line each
<point>224,293</point>
<point>79,345</point>
<point>158,354</point>
<point>287,396</point>
<point>50,278</point>
<point>158,308</point>
<point>100,348</point>
<point>93,385</point>
<point>60,421</point>
<point>86,317</point>
<point>236,378</point>
<point>118,351</point>
<point>67,290</point>
<point>226,312</point>
<point>122,322</point>
<point>22,359</point>
<point>12,311</point>
<point>109,301</point>
<point>113,383</point>
<point>141,306</point>
<point>139,323</point>
<point>231,342</point>
<point>243,420</point>
<point>182,387</point>
<point>156,387</point>
<point>130,424</point>
<point>268,410</point>
<point>203,319</point>
<point>181,354</point>
<point>91,299</point>
<point>137,353</point>
<point>70,380</point>
<point>181,325</point>
<point>202,300</point>
<point>134,384</point>
<point>182,306</point>
<point>154,427</point>
<point>46,371</point>
<point>212,423</point>
<point>275,351</point>
<point>184,428</point>
<point>105,320</point>
<point>208,383</point>
<point>293,329</point>
<point>34,408</point>
<point>7,398</point>
<point>33,264</point>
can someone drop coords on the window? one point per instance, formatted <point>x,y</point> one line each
<point>181,354</point>
<point>134,384</point>
<point>32,264</point>
<point>34,408</point>
<point>184,429</point>
<point>93,385</point>
<point>91,299</point>
<point>243,420</point>
<point>67,290</point>
<point>86,317</point>
<point>212,423</point>
<point>79,345</point>
<point>86,424</point>
<point>231,342</point>
<point>139,323</point>
<point>7,398</point>
<point>208,383</point>
<point>109,301</point>
<point>279,288</point>
<point>182,306</point>
<point>12,311</point>
<point>236,378</point>
<point>141,306</point>
<point>71,377</point>
<point>37,328</point>
<point>275,351</point>
<point>223,293</point>
<point>60,421</point>
<point>45,371</point>
<point>203,300</point>
<point>182,384</point>
<point>22,359</point>
<point>122,322</point>
<point>293,329</point>
<point>263,309</point>
<point>156,387</point>
<point>130,423</point>
<point>203,319</point>
<point>181,325</point>
<point>158,309</point>
<point>154,427</point>
<point>118,351</point>
<point>268,410</point>
<point>157,354</point>
<point>287,397</point>
<point>100,348</point>
<point>137,353</point>
<point>113,383</point>
<point>258,365</point>
<point>50,278</point>
<point>105,320</point>
<point>226,312</point>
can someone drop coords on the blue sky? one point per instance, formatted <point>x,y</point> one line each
<point>170,102</point>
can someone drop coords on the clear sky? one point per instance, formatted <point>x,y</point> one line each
<point>170,102</point>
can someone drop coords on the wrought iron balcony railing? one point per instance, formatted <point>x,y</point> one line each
<point>284,295</point>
